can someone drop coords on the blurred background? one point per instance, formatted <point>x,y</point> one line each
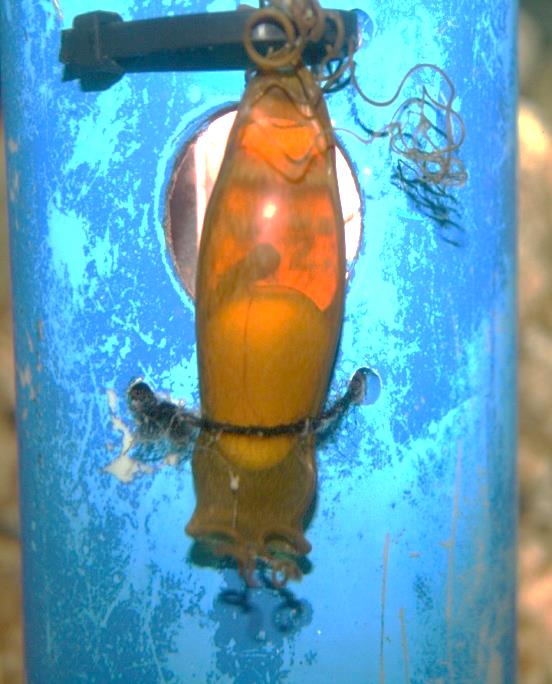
<point>535,342</point>
<point>535,377</point>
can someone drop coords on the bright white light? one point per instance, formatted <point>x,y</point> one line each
<point>269,210</point>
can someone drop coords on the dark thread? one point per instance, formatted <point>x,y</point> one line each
<point>159,418</point>
<point>433,201</point>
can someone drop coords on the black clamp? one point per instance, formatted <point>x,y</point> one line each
<point>101,47</point>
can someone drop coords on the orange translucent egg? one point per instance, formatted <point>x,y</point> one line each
<point>269,302</point>
<point>270,281</point>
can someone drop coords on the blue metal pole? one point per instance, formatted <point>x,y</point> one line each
<point>413,534</point>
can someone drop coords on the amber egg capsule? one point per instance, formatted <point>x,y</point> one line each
<point>269,301</point>
<point>270,281</point>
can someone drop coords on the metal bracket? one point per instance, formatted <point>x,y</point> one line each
<point>101,47</point>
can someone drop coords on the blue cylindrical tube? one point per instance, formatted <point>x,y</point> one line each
<point>412,570</point>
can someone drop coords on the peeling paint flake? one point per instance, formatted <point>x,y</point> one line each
<point>25,378</point>
<point>172,460</point>
<point>57,9</point>
<point>123,467</point>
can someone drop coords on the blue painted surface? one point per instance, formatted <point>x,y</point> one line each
<point>414,531</point>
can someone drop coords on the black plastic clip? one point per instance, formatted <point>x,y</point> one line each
<point>101,47</point>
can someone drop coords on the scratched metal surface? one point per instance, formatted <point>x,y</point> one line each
<point>413,536</point>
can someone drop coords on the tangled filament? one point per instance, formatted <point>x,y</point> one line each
<point>425,131</point>
<point>430,149</point>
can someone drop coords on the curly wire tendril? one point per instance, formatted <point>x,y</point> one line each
<point>414,132</point>
<point>303,22</point>
<point>287,56</point>
<point>429,148</point>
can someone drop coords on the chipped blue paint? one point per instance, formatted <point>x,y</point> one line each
<point>413,536</point>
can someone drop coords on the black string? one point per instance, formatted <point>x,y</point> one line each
<point>157,418</point>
